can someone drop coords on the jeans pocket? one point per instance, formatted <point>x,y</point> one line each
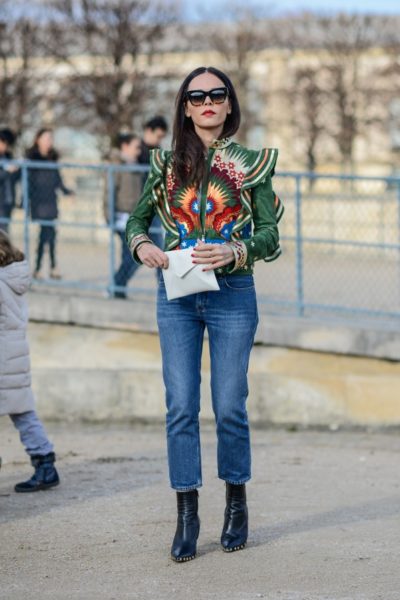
<point>239,282</point>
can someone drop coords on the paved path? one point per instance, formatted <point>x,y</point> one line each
<point>324,513</point>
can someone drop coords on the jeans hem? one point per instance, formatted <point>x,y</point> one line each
<point>188,488</point>
<point>241,482</point>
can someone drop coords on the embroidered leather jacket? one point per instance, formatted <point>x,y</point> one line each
<point>236,204</point>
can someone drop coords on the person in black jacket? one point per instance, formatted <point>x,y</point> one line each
<point>9,175</point>
<point>154,132</point>
<point>43,185</point>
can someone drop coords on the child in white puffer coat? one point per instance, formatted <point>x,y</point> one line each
<point>16,397</point>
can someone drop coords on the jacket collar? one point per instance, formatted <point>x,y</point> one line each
<point>222,143</point>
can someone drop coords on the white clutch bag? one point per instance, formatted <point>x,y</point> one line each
<point>183,277</point>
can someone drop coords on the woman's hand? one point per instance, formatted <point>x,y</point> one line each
<point>212,255</point>
<point>152,256</point>
<point>11,168</point>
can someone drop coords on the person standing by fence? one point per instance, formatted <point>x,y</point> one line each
<point>214,197</point>
<point>43,185</point>
<point>9,175</point>
<point>127,187</point>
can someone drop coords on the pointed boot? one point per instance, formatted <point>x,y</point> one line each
<point>187,527</point>
<point>235,529</point>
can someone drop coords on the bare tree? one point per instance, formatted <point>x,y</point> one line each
<point>345,38</point>
<point>18,79</point>
<point>307,98</point>
<point>237,33</point>
<point>99,43</point>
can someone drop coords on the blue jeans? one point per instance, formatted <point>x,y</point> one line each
<point>128,266</point>
<point>231,318</point>
<point>32,433</point>
<point>47,237</point>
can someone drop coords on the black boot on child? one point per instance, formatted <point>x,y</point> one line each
<point>235,529</point>
<point>187,527</point>
<point>44,477</point>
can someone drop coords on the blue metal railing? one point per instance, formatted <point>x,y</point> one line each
<point>366,265</point>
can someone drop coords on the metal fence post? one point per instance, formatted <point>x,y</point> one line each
<point>25,206</point>
<point>299,250</point>
<point>111,221</point>
<point>398,226</point>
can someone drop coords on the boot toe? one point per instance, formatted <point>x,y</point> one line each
<point>232,545</point>
<point>182,558</point>
<point>26,486</point>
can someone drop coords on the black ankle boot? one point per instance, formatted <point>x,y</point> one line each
<point>44,477</point>
<point>187,527</point>
<point>235,529</point>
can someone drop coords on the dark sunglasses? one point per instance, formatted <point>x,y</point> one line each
<point>198,97</point>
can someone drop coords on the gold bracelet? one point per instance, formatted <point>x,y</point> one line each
<point>137,241</point>
<point>240,253</point>
<point>141,244</point>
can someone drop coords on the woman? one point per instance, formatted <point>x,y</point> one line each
<point>9,176</point>
<point>215,196</point>
<point>43,184</point>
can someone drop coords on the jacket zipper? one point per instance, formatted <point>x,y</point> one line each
<point>203,189</point>
<point>200,202</point>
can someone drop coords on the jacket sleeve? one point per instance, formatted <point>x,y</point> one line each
<point>61,185</point>
<point>265,207</point>
<point>264,243</point>
<point>13,176</point>
<point>142,215</point>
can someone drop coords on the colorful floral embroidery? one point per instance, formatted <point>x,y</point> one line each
<point>223,202</point>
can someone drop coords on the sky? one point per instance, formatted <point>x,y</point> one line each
<point>289,6</point>
<point>383,6</point>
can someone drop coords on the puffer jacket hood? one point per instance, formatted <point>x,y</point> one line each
<point>17,276</point>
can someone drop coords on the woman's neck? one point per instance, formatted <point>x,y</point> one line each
<point>207,136</point>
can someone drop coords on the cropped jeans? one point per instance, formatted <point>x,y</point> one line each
<point>231,318</point>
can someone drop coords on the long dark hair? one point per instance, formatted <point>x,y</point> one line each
<point>8,252</point>
<point>33,151</point>
<point>188,149</point>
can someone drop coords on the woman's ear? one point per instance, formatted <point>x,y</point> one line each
<point>229,108</point>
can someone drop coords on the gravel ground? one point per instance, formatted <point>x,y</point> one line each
<point>324,519</point>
